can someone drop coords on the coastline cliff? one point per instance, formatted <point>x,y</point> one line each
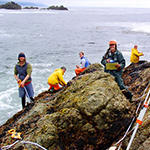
<point>90,113</point>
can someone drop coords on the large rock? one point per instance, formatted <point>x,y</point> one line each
<point>91,113</point>
<point>10,5</point>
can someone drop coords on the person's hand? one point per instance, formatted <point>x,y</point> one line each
<point>77,66</point>
<point>118,66</point>
<point>108,60</point>
<point>69,83</point>
<point>21,83</point>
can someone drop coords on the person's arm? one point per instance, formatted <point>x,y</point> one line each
<point>104,61</point>
<point>121,61</point>
<point>15,74</point>
<point>135,52</point>
<point>61,79</point>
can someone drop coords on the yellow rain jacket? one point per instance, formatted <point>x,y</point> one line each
<point>135,55</point>
<point>57,77</point>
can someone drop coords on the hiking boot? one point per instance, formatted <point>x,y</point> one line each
<point>127,94</point>
<point>51,90</point>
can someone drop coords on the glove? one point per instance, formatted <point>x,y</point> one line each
<point>19,83</point>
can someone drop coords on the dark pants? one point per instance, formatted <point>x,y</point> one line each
<point>119,80</point>
<point>24,101</point>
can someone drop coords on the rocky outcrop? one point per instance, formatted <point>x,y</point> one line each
<point>10,5</point>
<point>91,113</point>
<point>137,77</point>
<point>31,7</point>
<point>57,8</point>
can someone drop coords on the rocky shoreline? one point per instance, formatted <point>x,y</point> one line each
<point>14,6</point>
<point>91,113</point>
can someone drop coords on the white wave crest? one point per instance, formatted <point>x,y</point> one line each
<point>6,98</point>
<point>141,27</point>
<point>39,65</point>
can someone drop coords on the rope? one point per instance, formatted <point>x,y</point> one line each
<point>127,131</point>
<point>32,143</point>
<point>9,146</point>
<point>22,142</point>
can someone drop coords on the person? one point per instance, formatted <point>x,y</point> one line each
<point>56,79</point>
<point>22,73</point>
<point>135,54</point>
<point>114,56</point>
<point>83,64</point>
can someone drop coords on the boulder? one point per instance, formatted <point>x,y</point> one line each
<point>91,113</point>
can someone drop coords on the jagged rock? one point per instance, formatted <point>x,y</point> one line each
<point>90,113</point>
<point>10,5</point>
<point>137,77</point>
<point>57,8</point>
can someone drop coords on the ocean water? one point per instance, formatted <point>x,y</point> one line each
<point>51,39</point>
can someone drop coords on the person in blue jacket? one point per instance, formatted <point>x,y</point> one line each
<point>83,64</point>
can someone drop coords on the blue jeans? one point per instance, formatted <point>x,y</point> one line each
<point>29,90</point>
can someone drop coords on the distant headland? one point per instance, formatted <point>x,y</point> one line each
<point>57,7</point>
<point>12,5</point>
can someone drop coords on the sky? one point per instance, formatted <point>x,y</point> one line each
<point>96,3</point>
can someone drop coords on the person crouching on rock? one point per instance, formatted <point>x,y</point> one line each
<point>83,64</point>
<point>135,55</point>
<point>56,78</point>
<point>22,73</point>
<point>114,56</point>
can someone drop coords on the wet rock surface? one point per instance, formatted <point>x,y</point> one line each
<point>91,113</point>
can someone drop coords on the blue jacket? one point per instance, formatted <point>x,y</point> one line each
<point>84,62</point>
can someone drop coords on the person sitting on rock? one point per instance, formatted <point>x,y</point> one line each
<point>135,54</point>
<point>83,64</point>
<point>56,78</point>
<point>115,56</point>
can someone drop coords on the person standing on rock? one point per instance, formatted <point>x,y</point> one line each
<point>83,64</point>
<point>114,56</point>
<point>22,73</point>
<point>56,78</point>
<point>135,54</point>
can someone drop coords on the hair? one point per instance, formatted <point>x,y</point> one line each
<point>21,55</point>
<point>63,68</point>
<point>82,52</point>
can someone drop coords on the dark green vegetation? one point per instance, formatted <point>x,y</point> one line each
<point>10,5</point>
<point>57,7</point>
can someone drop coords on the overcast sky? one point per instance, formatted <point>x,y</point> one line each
<point>104,3</point>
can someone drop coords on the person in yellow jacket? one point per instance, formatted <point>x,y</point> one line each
<point>56,78</point>
<point>135,55</point>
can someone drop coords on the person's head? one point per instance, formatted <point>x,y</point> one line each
<point>81,54</point>
<point>21,57</point>
<point>113,44</point>
<point>135,46</point>
<point>112,49</point>
<point>64,69</point>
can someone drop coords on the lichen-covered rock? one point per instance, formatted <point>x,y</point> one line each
<point>89,114</point>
